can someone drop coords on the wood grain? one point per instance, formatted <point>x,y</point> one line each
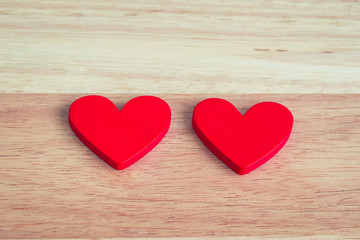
<point>209,46</point>
<point>52,186</point>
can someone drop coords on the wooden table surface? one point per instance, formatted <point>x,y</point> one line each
<point>303,54</point>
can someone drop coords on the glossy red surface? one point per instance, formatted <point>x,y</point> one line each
<point>242,142</point>
<point>120,138</point>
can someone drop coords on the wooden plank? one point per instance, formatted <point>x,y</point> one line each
<point>210,46</point>
<point>52,186</point>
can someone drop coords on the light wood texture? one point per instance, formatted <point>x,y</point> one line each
<point>52,186</point>
<point>180,46</point>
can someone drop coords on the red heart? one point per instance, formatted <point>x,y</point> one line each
<point>120,138</point>
<point>242,142</point>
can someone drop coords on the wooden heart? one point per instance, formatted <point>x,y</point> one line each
<point>120,138</point>
<point>242,142</point>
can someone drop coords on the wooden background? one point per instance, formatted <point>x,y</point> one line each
<point>303,54</point>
